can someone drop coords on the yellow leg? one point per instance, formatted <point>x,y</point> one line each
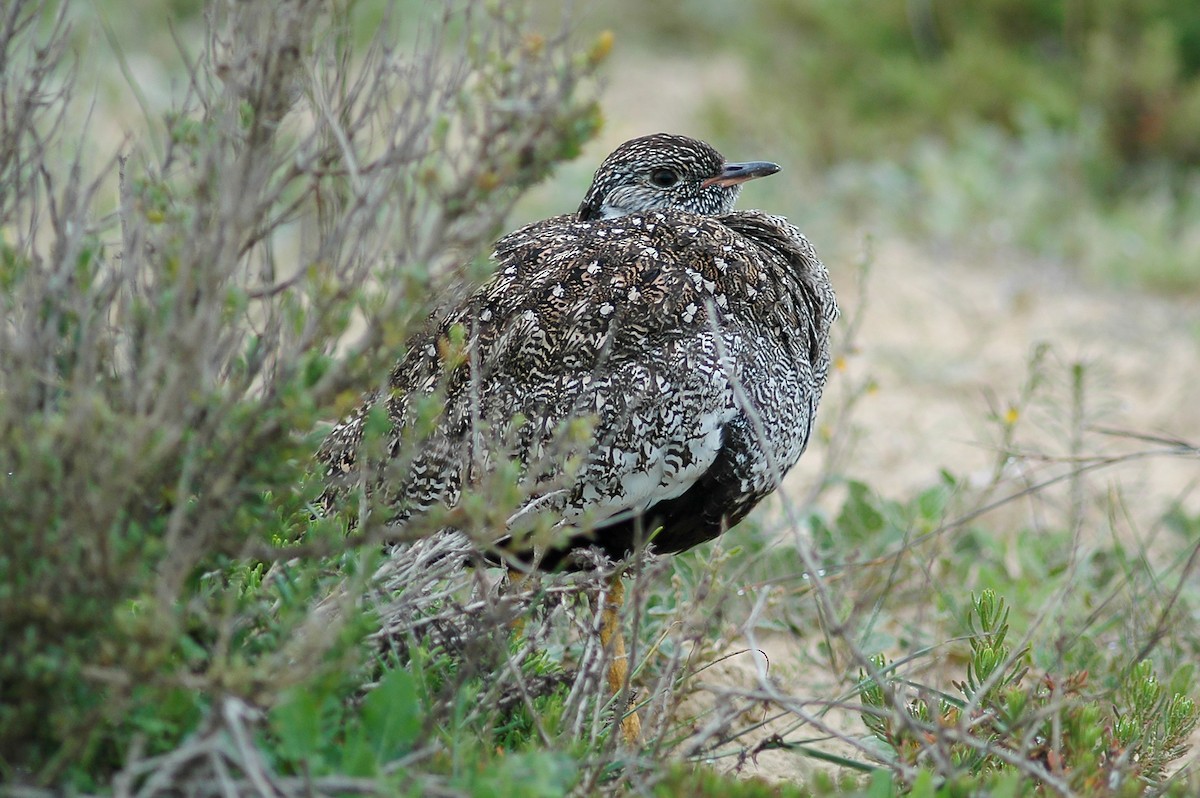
<point>515,580</point>
<point>618,669</point>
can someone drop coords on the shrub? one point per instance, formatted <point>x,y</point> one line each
<point>161,365</point>
<point>1003,727</point>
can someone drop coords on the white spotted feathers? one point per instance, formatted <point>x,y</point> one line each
<point>690,340</point>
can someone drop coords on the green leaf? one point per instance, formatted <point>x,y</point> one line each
<point>931,503</point>
<point>923,786</point>
<point>881,785</point>
<point>859,519</point>
<point>391,715</point>
<point>297,723</point>
<point>534,774</point>
<point>1007,785</point>
<point>358,758</point>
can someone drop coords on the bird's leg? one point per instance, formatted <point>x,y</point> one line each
<point>614,643</point>
<point>515,580</point>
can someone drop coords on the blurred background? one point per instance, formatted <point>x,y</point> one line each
<point>991,184</point>
<point>1068,129</point>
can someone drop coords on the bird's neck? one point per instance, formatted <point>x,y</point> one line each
<point>612,212</point>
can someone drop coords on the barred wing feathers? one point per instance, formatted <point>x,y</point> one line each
<point>695,346</point>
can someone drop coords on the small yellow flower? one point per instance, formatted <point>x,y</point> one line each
<point>1011,415</point>
<point>487,181</point>
<point>602,47</point>
<point>534,43</point>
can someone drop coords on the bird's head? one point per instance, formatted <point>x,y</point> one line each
<point>667,172</point>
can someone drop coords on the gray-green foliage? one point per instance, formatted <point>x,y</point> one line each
<point>1006,728</point>
<point>162,363</point>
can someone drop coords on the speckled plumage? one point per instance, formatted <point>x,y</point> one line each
<point>693,347</point>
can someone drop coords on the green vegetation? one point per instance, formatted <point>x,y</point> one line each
<point>1087,744</point>
<point>174,618</point>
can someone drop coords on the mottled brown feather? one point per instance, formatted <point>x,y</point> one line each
<point>695,345</point>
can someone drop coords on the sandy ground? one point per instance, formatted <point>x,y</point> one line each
<point>940,335</point>
<point>949,338</point>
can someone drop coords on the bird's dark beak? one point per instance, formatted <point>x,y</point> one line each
<point>734,173</point>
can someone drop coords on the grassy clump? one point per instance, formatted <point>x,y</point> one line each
<point>1002,724</point>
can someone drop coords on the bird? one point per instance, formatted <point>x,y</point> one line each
<point>651,363</point>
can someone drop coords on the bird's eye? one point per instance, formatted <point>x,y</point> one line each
<point>664,178</point>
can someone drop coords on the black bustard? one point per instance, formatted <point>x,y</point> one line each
<point>688,341</point>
